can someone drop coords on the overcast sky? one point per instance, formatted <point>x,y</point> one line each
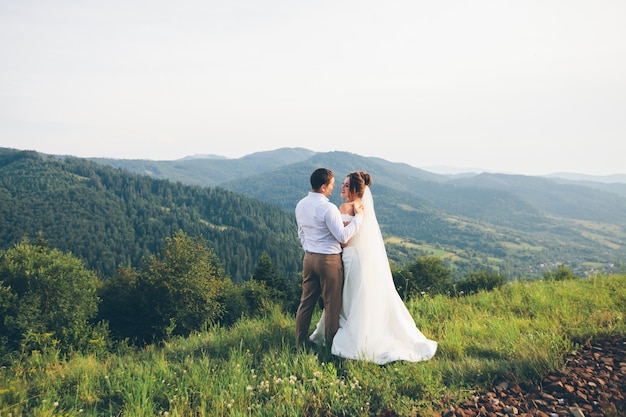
<point>531,87</point>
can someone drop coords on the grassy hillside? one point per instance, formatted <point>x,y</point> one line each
<point>516,334</point>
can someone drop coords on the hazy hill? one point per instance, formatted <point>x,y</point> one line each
<point>605,179</point>
<point>560,199</point>
<point>209,171</point>
<point>616,187</point>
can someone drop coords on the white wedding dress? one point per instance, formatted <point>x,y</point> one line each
<point>374,324</point>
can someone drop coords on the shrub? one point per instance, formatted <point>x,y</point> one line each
<point>480,280</point>
<point>562,273</point>
<point>179,289</point>
<point>45,291</point>
<point>427,274</point>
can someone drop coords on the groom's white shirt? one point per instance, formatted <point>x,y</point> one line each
<point>320,226</point>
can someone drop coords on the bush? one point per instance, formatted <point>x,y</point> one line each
<point>120,307</point>
<point>183,285</point>
<point>427,274</point>
<point>45,291</point>
<point>235,303</point>
<point>175,293</point>
<point>561,273</point>
<point>480,280</point>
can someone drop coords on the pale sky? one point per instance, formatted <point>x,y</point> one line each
<point>530,87</point>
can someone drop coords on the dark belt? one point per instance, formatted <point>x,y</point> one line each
<point>315,253</point>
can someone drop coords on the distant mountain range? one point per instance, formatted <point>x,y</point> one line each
<point>455,171</point>
<point>515,224</point>
<point>609,179</point>
<point>293,155</point>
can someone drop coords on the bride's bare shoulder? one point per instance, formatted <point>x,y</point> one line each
<point>347,208</point>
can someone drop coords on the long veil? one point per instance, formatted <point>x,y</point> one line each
<point>369,241</point>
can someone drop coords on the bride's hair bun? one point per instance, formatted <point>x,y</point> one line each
<point>358,181</point>
<point>367,178</point>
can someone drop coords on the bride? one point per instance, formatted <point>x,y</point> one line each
<point>374,324</point>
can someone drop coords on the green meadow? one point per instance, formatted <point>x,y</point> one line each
<point>517,332</point>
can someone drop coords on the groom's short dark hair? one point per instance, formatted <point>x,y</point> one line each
<point>320,177</point>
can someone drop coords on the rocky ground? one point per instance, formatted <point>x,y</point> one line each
<point>593,384</point>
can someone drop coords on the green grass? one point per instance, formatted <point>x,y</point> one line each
<point>519,332</point>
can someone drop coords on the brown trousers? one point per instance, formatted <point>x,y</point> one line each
<point>321,275</point>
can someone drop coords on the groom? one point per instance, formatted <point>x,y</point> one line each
<point>322,232</point>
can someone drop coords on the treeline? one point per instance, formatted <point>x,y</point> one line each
<point>48,295</point>
<point>110,218</point>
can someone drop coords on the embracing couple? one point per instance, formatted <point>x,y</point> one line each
<point>345,263</point>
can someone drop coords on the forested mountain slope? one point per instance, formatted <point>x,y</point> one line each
<point>517,225</point>
<point>511,228</point>
<point>512,223</point>
<point>108,217</point>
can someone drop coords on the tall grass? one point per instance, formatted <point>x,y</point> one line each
<point>518,332</point>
